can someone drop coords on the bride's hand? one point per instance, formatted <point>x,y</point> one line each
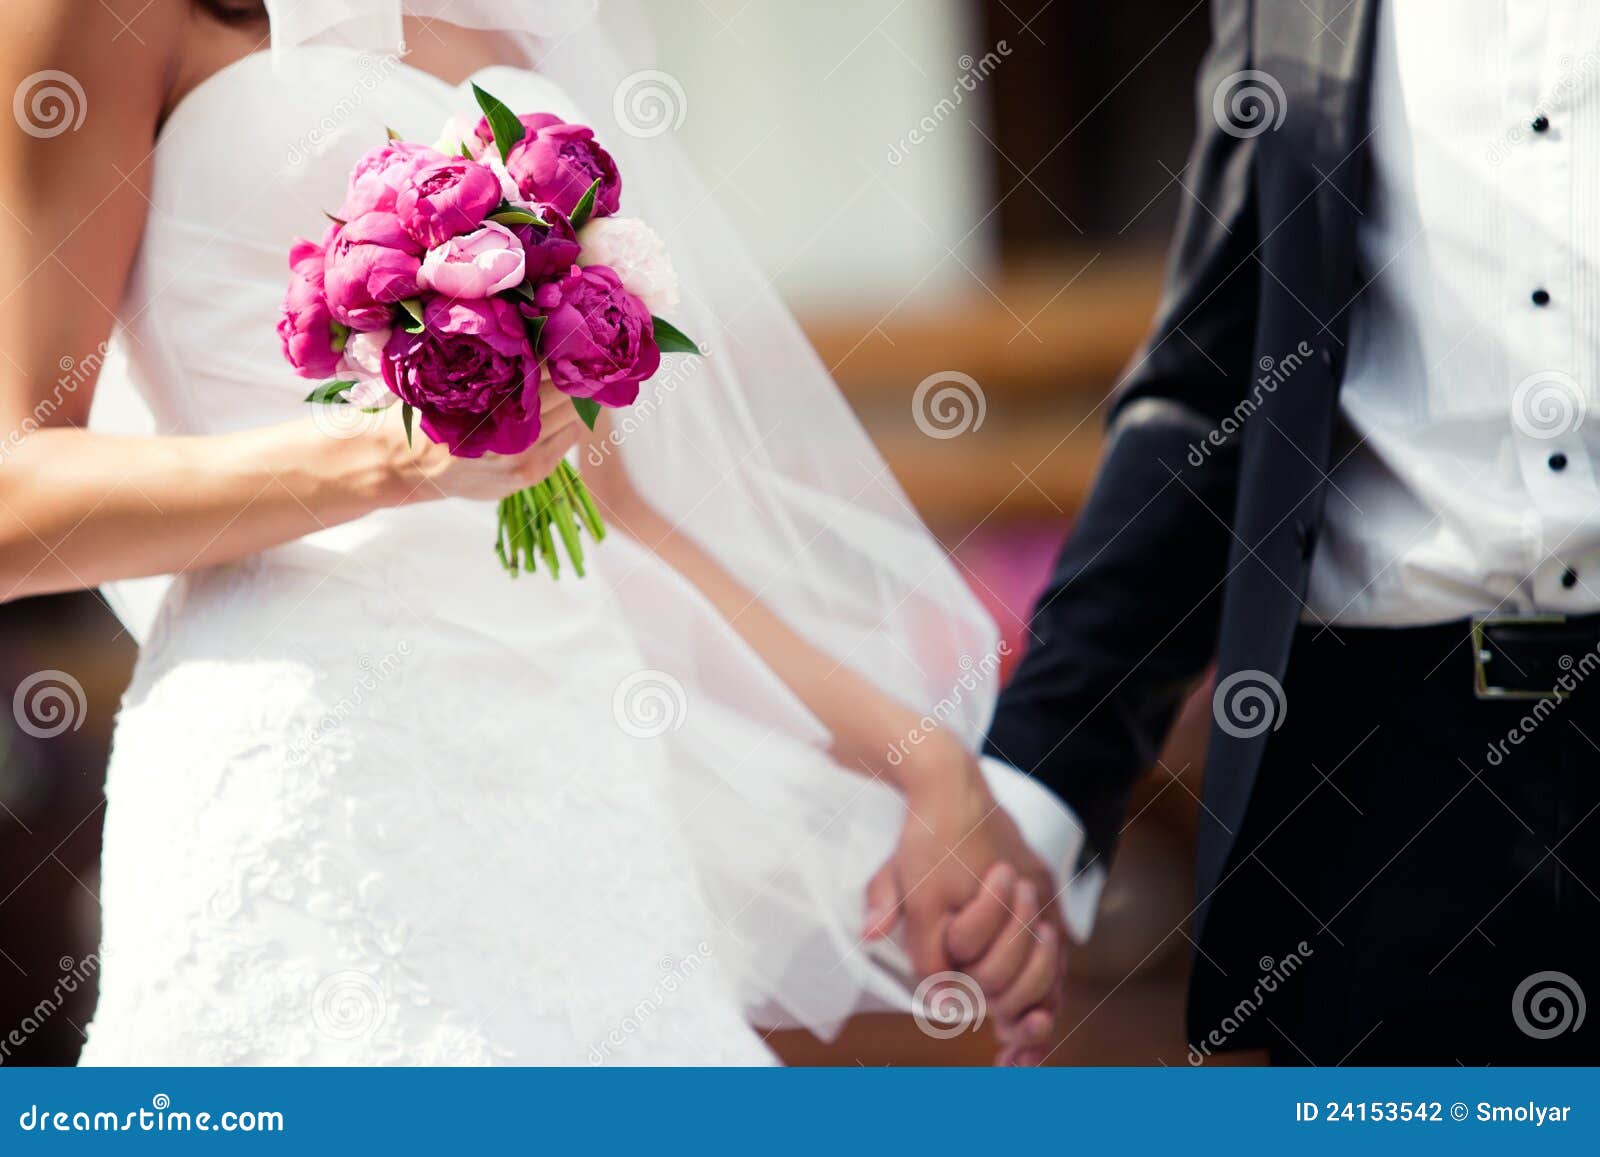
<point>423,470</point>
<point>975,898</point>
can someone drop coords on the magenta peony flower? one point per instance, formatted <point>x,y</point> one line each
<point>450,197</point>
<point>471,374</point>
<point>372,264</point>
<point>598,341</point>
<point>306,328</point>
<point>556,162</point>
<point>378,177</point>
<point>480,264</point>
<point>552,249</point>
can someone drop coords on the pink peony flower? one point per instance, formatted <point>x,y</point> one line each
<point>598,340</point>
<point>471,374</point>
<point>378,177</point>
<point>372,264</point>
<point>483,263</point>
<point>306,327</point>
<point>639,257</point>
<point>552,249</point>
<point>447,198</point>
<point>556,162</point>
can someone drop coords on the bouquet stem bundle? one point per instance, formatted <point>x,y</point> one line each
<point>561,503</point>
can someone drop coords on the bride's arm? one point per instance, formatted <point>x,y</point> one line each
<point>956,837</point>
<point>78,509</point>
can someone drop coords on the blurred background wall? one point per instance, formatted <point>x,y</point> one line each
<point>966,201</point>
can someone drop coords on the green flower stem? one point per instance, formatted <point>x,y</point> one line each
<point>530,521</point>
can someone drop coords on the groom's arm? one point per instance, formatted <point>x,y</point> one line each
<point>1128,621</point>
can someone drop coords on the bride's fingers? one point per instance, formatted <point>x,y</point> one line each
<point>1000,966</point>
<point>977,924</point>
<point>1034,983</point>
<point>883,904</point>
<point>551,400</point>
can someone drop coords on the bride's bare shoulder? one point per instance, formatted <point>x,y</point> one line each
<point>119,56</point>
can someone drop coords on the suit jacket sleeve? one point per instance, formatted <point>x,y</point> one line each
<point>1129,618</point>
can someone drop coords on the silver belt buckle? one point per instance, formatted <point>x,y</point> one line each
<point>1482,656</point>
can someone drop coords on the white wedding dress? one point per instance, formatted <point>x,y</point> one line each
<point>372,802</point>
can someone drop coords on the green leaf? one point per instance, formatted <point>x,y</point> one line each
<point>503,122</point>
<point>341,336</point>
<point>518,217</point>
<point>336,220</point>
<point>330,394</point>
<point>394,136</point>
<point>588,409</point>
<point>413,307</point>
<point>407,414</point>
<point>466,152</point>
<point>536,328</point>
<point>673,340</point>
<point>584,209</point>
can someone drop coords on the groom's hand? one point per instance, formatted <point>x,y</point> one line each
<point>973,897</point>
<point>1014,953</point>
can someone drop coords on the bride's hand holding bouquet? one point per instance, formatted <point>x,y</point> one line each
<point>486,289</point>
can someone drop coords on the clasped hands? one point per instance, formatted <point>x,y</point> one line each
<point>971,898</point>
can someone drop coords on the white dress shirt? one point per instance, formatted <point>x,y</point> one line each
<point>1463,478</point>
<point>1464,471</point>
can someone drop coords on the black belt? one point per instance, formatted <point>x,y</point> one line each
<point>1533,656</point>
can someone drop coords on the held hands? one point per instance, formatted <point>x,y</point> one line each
<point>974,899</point>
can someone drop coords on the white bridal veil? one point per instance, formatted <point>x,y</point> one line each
<point>755,455</point>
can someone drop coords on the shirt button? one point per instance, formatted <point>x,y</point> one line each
<point>1541,297</point>
<point>1540,123</point>
<point>1558,461</point>
<point>1569,578</point>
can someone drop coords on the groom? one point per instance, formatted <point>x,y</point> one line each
<point>1350,470</point>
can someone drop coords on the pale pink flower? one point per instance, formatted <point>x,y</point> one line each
<point>640,259</point>
<point>476,265</point>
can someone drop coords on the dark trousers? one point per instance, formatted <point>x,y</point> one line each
<point>1418,878</point>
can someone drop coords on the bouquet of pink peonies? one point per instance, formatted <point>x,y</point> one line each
<point>455,278</point>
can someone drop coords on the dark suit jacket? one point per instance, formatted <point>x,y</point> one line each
<point>1188,551</point>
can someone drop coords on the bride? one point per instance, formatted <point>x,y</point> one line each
<point>369,801</point>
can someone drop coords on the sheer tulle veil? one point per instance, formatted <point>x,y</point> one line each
<point>752,452</point>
